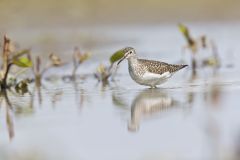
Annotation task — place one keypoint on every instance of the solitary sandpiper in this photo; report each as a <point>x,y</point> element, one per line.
<point>148,72</point>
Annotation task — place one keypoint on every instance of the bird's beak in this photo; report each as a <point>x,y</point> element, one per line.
<point>121,60</point>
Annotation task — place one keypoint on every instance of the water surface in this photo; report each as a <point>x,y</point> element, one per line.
<point>189,117</point>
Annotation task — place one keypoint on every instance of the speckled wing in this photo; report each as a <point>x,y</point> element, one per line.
<point>160,67</point>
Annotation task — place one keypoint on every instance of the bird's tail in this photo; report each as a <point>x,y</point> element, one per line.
<point>182,66</point>
<point>175,68</point>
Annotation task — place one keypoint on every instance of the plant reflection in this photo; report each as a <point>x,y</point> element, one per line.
<point>148,103</point>
<point>15,106</point>
<point>9,110</point>
<point>79,92</point>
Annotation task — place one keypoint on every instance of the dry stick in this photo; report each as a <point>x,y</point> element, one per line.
<point>194,66</point>
<point>7,99</point>
<point>75,67</point>
<point>10,124</point>
<point>6,51</point>
<point>39,93</point>
<point>37,73</point>
<point>4,83</point>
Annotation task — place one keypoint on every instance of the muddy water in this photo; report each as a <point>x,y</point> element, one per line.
<point>189,117</point>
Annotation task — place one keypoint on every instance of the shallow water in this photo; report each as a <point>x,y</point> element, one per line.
<point>189,117</point>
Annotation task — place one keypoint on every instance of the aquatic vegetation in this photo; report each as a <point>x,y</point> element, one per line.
<point>10,58</point>
<point>55,60</point>
<point>105,72</point>
<point>21,59</point>
<point>39,70</point>
<point>193,44</point>
<point>196,45</point>
<point>78,59</point>
<point>15,105</point>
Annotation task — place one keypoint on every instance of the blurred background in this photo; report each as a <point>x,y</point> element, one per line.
<point>52,25</point>
<point>75,13</point>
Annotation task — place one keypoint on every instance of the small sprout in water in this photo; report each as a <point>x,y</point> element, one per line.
<point>103,73</point>
<point>101,69</point>
<point>38,70</point>
<point>79,58</point>
<point>82,57</point>
<point>56,61</point>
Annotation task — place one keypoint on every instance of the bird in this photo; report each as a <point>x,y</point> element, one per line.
<point>148,72</point>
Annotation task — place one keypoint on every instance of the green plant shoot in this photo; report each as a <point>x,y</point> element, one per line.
<point>116,56</point>
<point>184,30</point>
<point>22,62</point>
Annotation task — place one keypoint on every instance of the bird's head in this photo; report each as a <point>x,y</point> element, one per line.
<point>129,52</point>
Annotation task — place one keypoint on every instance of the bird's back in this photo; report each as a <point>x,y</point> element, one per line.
<point>158,67</point>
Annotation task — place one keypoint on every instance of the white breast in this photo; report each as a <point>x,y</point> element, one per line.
<point>153,79</point>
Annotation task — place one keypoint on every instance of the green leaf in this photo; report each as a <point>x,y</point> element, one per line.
<point>184,30</point>
<point>22,62</point>
<point>117,56</point>
<point>21,53</point>
<point>84,57</point>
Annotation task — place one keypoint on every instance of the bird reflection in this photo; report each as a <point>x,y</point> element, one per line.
<point>146,104</point>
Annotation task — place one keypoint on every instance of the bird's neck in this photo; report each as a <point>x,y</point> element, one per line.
<point>132,60</point>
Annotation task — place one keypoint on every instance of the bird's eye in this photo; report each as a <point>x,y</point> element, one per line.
<point>130,52</point>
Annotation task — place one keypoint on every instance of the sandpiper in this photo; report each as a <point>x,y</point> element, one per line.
<point>148,72</point>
